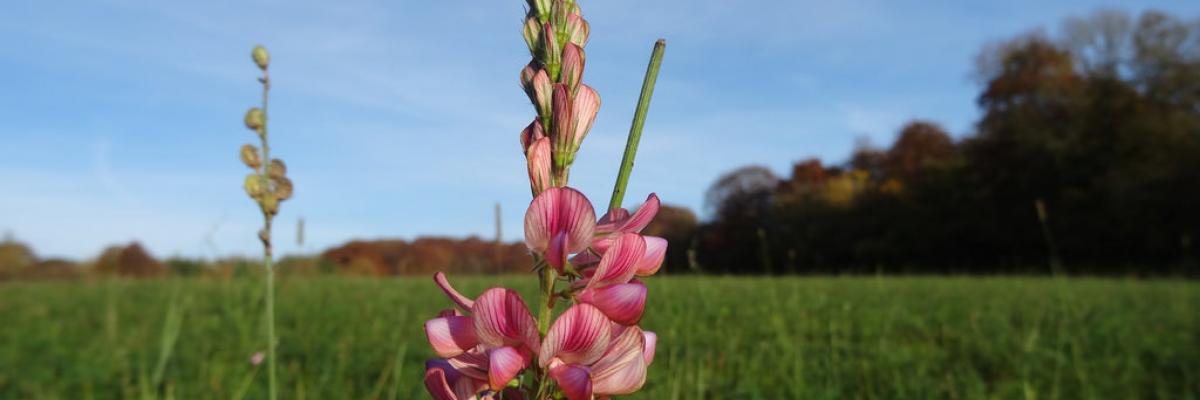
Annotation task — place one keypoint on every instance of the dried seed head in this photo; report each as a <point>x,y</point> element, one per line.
<point>254,186</point>
<point>255,119</point>
<point>277,169</point>
<point>283,188</point>
<point>250,156</point>
<point>261,57</point>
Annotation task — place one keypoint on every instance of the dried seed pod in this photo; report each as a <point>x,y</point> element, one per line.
<point>283,188</point>
<point>255,119</point>
<point>277,169</point>
<point>254,186</point>
<point>269,204</point>
<point>250,156</point>
<point>261,57</point>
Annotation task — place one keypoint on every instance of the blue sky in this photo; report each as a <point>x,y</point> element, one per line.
<point>121,120</point>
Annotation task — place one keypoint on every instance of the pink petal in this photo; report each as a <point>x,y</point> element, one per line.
<point>574,381</point>
<point>611,220</point>
<point>435,383</point>
<point>472,364</point>
<point>652,260</point>
<point>454,296</point>
<point>538,158</point>
<point>559,210</point>
<point>556,255</point>
<point>504,364</point>
<point>643,216</point>
<point>584,259</point>
<point>467,389</point>
<point>579,336</point>
<point>619,263</point>
<point>502,319</point>
<point>622,369</point>
<point>451,336</point>
<point>651,344</point>
<point>584,109</point>
<point>622,303</point>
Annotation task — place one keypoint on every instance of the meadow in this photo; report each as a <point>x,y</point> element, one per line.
<point>720,337</point>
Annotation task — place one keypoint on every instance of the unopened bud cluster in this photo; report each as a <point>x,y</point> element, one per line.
<point>556,33</point>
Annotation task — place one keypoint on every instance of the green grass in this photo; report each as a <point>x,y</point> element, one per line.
<point>720,338</point>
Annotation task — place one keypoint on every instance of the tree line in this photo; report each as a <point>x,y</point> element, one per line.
<point>1086,160</point>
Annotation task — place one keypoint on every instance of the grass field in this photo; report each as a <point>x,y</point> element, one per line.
<point>720,338</point>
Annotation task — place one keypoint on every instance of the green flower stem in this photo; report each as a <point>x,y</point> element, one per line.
<point>268,258</point>
<point>639,120</point>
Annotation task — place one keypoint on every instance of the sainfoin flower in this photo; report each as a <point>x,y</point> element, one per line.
<point>498,336</point>
<point>491,346</point>
<point>588,355</point>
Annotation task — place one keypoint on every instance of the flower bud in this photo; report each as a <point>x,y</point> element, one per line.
<point>250,156</point>
<point>277,169</point>
<point>255,119</point>
<point>551,50</point>
<point>254,186</point>
<point>584,108</point>
<point>572,66</point>
<point>577,30</point>
<point>531,133</point>
<point>533,34</point>
<point>283,188</point>
<point>541,92</point>
<point>261,57</point>
<point>538,158</point>
<point>561,130</point>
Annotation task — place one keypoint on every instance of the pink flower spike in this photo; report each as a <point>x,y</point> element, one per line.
<point>451,336</point>
<point>504,364</point>
<point>651,344</point>
<point>619,263</point>
<point>584,109</point>
<point>559,211</point>
<point>622,303</point>
<point>574,381</point>
<point>622,370</point>
<point>579,336</point>
<point>539,164</point>
<point>652,260</point>
<point>502,319</point>
<point>462,301</point>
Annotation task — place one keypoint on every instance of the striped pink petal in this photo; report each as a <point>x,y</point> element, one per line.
<point>579,336</point>
<point>538,158</point>
<point>575,381</point>
<point>619,263</point>
<point>438,387</point>
<point>472,364</point>
<point>504,364</point>
<point>462,301</point>
<point>541,92</point>
<point>451,336</point>
<point>577,30</point>
<point>583,109</point>
<point>643,216</point>
<point>651,344</point>
<point>622,369</point>
<point>622,303</point>
<point>502,319</point>
<point>559,211</point>
<point>611,220</point>
<point>652,260</point>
